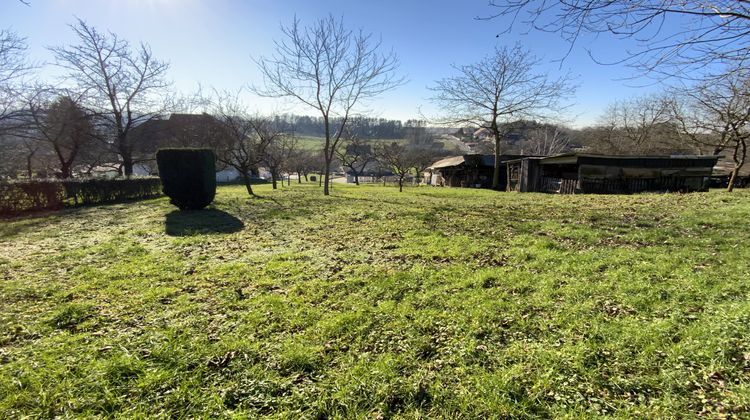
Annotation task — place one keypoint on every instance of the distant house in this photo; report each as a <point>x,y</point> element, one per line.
<point>473,171</point>
<point>598,174</point>
<point>482,134</point>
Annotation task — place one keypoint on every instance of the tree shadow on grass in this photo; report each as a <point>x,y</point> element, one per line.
<point>200,222</point>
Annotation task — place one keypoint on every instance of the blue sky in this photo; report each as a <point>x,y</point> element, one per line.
<point>212,42</point>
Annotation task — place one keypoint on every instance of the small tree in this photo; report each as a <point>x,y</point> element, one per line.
<point>277,155</point>
<point>239,139</point>
<point>355,155</point>
<point>502,87</point>
<point>64,126</point>
<point>398,159</point>
<point>300,162</point>
<point>330,69</point>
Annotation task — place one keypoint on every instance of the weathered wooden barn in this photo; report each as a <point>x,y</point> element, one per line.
<point>597,174</point>
<point>723,172</point>
<point>472,171</point>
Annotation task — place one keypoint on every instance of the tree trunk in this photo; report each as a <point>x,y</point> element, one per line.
<point>29,170</point>
<point>306,178</point>
<point>66,170</point>
<point>356,178</point>
<point>740,151</point>
<point>320,179</point>
<point>127,166</point>
<point>327,180</point>
<point>248,184</point>
<point>496,170</point>
<point>327,154</point>
<point>401,185</point>
<point>732,177</point>
<point>273,179</point>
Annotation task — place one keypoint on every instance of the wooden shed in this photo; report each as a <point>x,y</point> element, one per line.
<point>723,171</point>
<point>473,171</point>
<point>599,174</point>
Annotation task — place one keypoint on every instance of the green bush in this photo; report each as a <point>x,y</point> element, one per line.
<point>102,190</point>
<point>188,176</point>
<point>18,197</point>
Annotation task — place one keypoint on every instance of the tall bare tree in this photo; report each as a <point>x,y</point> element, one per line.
<point>13,66</point>
<point>675,38</point>
<point>502,87</point>
<point>126,86</point>
<point>330,69</point>
<point>716,115</point>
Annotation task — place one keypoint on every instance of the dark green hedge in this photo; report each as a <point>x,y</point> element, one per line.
<point>18,197</point>
<point>188,176</point>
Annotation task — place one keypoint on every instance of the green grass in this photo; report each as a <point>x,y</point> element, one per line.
<point>450,303</point>
<point>317,143</point>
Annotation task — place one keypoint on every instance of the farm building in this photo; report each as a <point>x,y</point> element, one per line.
<point>723,172</point>
<point>597,174</point>
<point>474,171</point>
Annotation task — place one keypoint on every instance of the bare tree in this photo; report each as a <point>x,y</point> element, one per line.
<point>355,155</point>
<point>330,69</point>
<point>398,159</point>
<point>675,38</point>
<point>278,153</point>
<point>13,66</point>
<point>716,115</point>
<point>62,125</point>
<point>301,162</point>
<point>497,89</point>
<point>638,125</point>
<point>126,86</point>
<point>547,140</point>
<point>239,139</point>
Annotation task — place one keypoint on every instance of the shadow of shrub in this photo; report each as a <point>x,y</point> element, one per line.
<point>199,222</point>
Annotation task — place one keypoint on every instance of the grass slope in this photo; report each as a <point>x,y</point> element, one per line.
<point>316,144</point>
<point>447,303</point>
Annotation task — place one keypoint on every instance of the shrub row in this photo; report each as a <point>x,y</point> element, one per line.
<point>17,197</point>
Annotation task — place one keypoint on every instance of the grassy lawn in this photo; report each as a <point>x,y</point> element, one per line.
<point>449,303</point>
<point>316,143</point>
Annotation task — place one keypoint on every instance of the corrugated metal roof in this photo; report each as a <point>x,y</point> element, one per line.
<point>573,158</point>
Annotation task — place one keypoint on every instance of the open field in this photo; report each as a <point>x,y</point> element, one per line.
<point>317,143</point>
<point>431,303</point>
